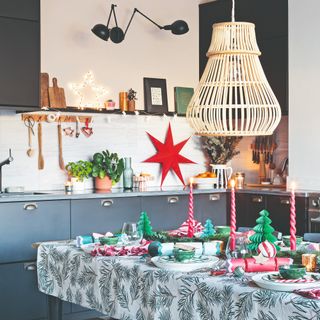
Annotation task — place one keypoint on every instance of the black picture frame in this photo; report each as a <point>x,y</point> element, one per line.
<point>155,95</point>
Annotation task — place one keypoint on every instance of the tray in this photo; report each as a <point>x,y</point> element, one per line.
<point>168,263</point>
<point>267,281</point>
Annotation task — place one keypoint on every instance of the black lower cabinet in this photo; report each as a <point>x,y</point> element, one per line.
<point>20,298</point>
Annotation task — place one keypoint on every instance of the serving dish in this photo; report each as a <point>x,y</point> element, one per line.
<point>205,183</point>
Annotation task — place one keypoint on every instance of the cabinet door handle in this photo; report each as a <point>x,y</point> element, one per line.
<point>257,199</point>
<point>30,206</point>
<point>30,266</point>
<point>214,197</point>
<point>285,201</point>
<point>173,199</point>
<point>315,220</point>
<point>107,203</point>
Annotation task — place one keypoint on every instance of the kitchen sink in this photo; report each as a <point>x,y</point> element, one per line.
<point>22,194</point>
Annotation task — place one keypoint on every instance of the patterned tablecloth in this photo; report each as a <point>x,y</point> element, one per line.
<point>128,288</point>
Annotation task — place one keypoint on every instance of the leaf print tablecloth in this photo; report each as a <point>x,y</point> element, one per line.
<point>128,288</point>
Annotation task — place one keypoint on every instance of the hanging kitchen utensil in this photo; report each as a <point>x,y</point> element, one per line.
<point>68,132</point>
<point>44,99</point>
<point>40,155</point>
<point>61,162</point>
<point>87,131</point>
<point>29,123</point>
<point>77,127</point>
<point>55,96</point>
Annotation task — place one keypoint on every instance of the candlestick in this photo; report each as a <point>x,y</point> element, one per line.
<point>293,229</point>
<point>191,214</point>
<point>233,216</point>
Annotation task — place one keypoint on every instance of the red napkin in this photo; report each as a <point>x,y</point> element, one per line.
<point>121,251</point>
<point>309,293</point>
<point>182,231</point>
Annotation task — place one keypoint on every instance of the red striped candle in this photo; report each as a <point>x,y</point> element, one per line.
<point>293,230</point>
<point>191,214</point>
<point>233,219</point>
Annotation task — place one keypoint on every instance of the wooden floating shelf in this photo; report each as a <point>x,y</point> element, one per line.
<point>104,111</point>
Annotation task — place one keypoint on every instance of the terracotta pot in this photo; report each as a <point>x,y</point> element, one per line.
<point>131,105</point>
<point>103,184</point>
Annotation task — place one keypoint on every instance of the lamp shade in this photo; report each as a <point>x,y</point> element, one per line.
<point>116,35</point>
<point>233,97</point>
<point>101,31</point>
<point>178,27</point>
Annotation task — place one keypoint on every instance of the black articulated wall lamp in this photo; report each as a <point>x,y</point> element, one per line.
<point>117,35</point>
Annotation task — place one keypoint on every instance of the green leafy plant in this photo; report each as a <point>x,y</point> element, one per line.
<point>80,169</point>
<point>132,94</point>
<point>220,150</point>
<point>107,164</point>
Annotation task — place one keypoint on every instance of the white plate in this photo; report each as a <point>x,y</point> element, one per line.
<point>170,264</point>
<point>289,287</point>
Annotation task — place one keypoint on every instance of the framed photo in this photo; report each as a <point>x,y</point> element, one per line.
<point>155,95</point>
<point>182,97</point>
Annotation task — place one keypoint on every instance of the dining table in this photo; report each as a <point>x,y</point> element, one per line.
<point>130,287</point>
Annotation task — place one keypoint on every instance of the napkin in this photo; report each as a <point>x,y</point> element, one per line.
<point>309,293</point>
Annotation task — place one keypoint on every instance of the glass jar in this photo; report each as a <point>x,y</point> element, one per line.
<point>127,174</point>
<point>240,248</point>
<point>239,177</point>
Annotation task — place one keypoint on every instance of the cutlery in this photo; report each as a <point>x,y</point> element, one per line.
<point>40,155</point>
<point>61,162</point>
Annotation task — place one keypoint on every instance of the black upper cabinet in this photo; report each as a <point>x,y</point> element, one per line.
<point>20,9</point>
<point>19,54</point>
<point>271,20</point>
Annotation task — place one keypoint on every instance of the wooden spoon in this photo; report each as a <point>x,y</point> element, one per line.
<point>30,151</point>
<point>40,155</point>
<point>61,162</point>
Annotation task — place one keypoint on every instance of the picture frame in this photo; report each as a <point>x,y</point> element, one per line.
<point>155,95</point>
<point>182,97</point>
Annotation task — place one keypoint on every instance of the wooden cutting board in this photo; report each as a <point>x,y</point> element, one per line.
<point>56,96</point>
<point>44,99</point>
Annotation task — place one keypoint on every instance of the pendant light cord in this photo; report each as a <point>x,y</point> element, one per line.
<point>233,11</point>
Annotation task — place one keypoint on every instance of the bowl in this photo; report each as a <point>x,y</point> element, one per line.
<point>293,271</point>
<point>205,183</point>
<point>222,229</point>
<point>286,240</point>
<point>109,240</point>
<point>183,255</point>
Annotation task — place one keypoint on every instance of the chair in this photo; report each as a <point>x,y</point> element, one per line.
<point>312,237</point>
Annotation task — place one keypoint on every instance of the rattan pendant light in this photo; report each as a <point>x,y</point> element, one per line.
<point>233,97</point>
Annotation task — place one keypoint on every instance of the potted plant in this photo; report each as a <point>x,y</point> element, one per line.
<point>131,100</point>
<point>78,171</point>
<point>220,150</point>
<point>107,169</point>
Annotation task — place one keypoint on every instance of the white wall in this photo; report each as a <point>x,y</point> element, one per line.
<point>69,50</point>
<point>304,70</point>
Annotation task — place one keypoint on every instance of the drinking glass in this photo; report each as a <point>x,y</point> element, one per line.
<point>132,234</point>
<point>240,249</point>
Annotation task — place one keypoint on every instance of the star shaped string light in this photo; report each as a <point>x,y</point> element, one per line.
<point>168,155</point>
<point>88,84</point>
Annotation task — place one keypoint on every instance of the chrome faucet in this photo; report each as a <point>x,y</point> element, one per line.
<point>2,163</point>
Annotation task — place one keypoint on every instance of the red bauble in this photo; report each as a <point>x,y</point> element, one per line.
<point>168,155</point>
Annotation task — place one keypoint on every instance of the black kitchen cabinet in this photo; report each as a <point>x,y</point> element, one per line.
<point>20,55</point>
<point>271,20</point>
<point>23,223</point>
<point>20,298</point>
<point>20,9</point>
<point>211,206</point>
<point>279,209</point>
<point>248,208</point>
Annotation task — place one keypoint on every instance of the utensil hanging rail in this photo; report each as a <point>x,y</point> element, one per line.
<point>37,117</point>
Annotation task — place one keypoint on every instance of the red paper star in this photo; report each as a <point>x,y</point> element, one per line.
<point>168,155</point>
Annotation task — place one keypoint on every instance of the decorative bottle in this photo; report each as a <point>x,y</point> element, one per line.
<point>127,174</point>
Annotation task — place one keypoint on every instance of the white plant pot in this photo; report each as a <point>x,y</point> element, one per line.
<point>77,185</point>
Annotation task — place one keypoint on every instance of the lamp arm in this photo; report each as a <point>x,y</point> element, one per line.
<point>110,13</point>
<point>134,12</point>
<point>114,13</point>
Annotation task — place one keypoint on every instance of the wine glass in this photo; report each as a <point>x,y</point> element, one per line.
<point>240,249</point>
<point>131,232</point>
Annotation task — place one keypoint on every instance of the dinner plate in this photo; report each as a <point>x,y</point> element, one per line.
<point>267,281</point>
<point>168,263</point>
